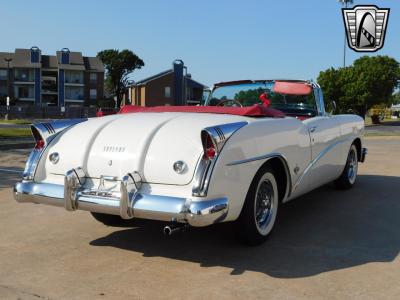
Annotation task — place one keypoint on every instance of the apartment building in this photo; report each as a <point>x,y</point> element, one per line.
<point>65,79</point>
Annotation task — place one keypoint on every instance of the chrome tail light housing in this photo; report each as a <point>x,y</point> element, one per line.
<point>213,140</point>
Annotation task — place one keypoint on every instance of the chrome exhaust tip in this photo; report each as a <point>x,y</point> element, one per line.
<point>173,228</point>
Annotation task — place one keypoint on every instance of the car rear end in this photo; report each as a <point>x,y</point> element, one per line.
<point>145,165</point>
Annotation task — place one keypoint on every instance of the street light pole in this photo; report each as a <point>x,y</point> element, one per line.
<point>345,3</point>
<point>8,60</point>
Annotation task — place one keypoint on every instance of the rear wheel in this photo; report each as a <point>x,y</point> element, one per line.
<point>106,219</point>
<point>349,175</point>
<point>260,209</point>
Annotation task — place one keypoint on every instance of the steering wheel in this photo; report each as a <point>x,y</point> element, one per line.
<point>229,100</point>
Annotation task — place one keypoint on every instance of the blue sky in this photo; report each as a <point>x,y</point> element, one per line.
<point>217,40</point>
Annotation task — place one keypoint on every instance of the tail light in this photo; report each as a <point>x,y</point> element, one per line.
<point>210,150</point>
<point>40,143</point>
<point>35,155</point>
<point>213,140</point>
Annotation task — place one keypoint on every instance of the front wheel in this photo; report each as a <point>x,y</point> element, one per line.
<point>260,209</point>
<point>349,175</point>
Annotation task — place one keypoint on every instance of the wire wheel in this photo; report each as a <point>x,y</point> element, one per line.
<point>265,206</point>
<point>352,166</point>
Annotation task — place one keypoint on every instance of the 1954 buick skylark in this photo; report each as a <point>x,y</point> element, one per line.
<point>253,146</point>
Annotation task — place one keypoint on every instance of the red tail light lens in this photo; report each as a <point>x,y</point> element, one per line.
<point>39,144</point>
<point>209,147</point>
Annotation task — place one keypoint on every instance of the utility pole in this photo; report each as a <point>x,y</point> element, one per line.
<point>8,60</point>
<point>345,4</point>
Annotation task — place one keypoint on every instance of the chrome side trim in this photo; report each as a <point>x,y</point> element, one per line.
<point>247,160</point>
<point>220,135</point>
<point>269,156</point>
<point>317,158</point>
<point>31,164</point>
<point>49,130</point>
<point>202,177</point>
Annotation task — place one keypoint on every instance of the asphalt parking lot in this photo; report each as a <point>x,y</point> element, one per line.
<point>328,244</point>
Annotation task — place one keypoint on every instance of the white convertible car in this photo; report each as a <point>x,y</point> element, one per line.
<point>253,146</point>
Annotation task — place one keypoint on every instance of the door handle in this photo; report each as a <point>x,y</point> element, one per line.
<point>313,129</point>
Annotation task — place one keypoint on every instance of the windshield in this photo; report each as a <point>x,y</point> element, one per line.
<point>292,98</point>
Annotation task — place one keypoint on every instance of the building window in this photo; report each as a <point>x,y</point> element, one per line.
<point>93,77</point>
<point>24,75</point>
<point>75,77</point>
<point>93,94</point>
<point>3,74</point>
<point>3,90</point>
<point>24,91</point>
<point>167,92</point>
<point>74,93</point>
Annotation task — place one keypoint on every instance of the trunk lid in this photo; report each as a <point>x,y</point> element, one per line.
<point>148,143</point>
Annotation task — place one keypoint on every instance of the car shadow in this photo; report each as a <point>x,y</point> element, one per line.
<point>322,231</point>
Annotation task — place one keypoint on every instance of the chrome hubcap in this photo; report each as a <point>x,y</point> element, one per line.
<point>264,204</point>
<point>353,167</point>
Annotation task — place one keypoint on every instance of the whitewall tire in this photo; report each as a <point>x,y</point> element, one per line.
<point>260,209</point>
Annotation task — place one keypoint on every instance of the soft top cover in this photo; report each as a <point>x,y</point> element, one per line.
<point>248,111</point>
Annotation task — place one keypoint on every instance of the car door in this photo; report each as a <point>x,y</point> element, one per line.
<point>324,131</point>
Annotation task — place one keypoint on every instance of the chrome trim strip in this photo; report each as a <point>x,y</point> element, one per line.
<point>220,135</point>
<point>251,159</point>
<point>155,207</point>
<point>269,156</point>
<point>317,158</point>
<point>48,132</point>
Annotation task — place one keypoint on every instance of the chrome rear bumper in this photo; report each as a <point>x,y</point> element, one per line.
<point>124,203</point>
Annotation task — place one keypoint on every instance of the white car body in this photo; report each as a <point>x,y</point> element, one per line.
<point>123,164</point>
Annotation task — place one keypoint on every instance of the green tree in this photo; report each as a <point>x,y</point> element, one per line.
<point>396,98</point>
<point>119,65</point>
<point>370,81</point>
<point>249,97</point>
